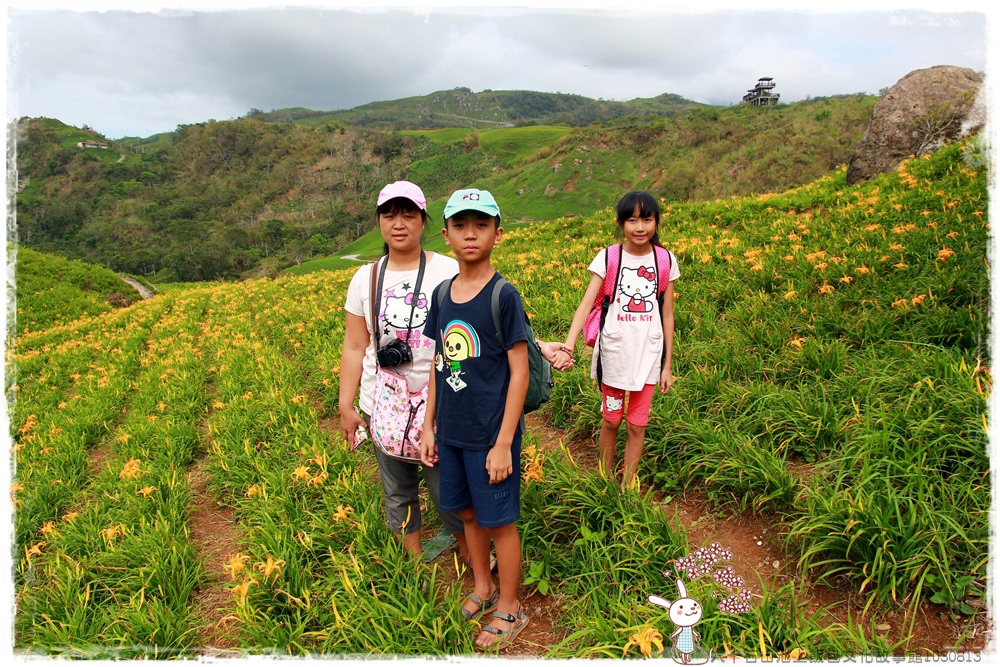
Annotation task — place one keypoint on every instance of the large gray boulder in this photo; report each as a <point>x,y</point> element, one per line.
<point>925,108</point>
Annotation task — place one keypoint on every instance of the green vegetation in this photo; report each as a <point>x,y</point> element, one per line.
<point>249,198</point>
<point>51,290</point>
<point>460,107</point>
<point>832,372</point>
<point>834,369</point>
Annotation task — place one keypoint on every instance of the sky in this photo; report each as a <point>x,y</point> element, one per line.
<point>138,68</point>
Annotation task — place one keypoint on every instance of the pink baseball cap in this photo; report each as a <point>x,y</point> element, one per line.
<point>403,189</point>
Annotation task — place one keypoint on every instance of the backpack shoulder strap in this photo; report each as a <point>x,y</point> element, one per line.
<point>614,258</point>
<point>495,309</point>
<point>661,256</point>
<point>443,289</point>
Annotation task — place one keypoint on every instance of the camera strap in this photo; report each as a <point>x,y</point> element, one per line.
<point>376,296</point>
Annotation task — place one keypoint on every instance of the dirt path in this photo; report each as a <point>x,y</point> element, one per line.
<point>501,123</point>
<point>143,291</point>
<point>215,536</point>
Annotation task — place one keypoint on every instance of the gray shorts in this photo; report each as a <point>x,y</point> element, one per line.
<point>401,484</point>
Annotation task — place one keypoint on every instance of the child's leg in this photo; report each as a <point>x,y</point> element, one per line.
<point>612,410</point>
<point>507,542</point>
<point>478,540</point>
<point>606,444</point>
<point>455,497</point>
<point>451,521</point>
<point>639,403</point>
<point>633,451</point>
<point>497,508</point>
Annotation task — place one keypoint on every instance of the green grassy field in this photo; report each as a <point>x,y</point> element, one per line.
<point>50,290</point>
<point>832,374</point>
<point>369,247</point>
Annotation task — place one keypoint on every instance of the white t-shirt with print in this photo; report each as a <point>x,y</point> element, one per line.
<point>395,306</point>
<point>631,344</point>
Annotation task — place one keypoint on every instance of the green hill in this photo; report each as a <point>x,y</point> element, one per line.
<point>460,107</point>
<point>50,290</point>
<point>244,198</point>
<point>705,155</point>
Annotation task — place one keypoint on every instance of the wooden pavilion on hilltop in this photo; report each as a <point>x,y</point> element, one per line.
<point>761,95</point>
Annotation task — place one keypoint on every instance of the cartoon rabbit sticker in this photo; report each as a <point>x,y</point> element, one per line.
<point>685,612</point>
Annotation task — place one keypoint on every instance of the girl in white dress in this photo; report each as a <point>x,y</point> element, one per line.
<point>634,347</point>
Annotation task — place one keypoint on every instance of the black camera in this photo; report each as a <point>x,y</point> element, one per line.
<point>394,353</point>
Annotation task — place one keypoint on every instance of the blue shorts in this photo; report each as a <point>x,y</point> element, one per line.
<point>465,483</point>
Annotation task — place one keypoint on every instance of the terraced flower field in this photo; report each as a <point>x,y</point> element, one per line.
<point>832,369</point>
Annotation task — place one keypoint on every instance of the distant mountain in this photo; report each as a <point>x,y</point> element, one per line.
<point>460,107</point>
<point>251,197</point>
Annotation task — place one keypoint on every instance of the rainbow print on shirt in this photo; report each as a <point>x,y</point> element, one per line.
<point>459,342</point>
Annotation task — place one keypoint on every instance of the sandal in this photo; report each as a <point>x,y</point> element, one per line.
<point>485,606</point>
<point>505,638</point>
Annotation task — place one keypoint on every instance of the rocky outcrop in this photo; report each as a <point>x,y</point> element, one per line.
<point>925,108</point>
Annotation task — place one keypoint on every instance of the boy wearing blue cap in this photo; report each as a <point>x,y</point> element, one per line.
<point>476,396</point>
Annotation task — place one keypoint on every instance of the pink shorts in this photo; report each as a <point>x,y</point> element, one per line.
<point>639,402</point>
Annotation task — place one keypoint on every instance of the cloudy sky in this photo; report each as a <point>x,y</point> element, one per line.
<point>138,68</point>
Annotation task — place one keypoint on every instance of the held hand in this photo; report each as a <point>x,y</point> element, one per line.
<point>562,360</point>
<point>557,354</point>
<point>350,420</point>
<point>499,464</point>
<point>666,381</point>
<point>428,449</point>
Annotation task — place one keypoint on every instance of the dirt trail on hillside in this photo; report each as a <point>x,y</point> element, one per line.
<point>143,291</point>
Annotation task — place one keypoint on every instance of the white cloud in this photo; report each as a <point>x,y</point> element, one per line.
<point>132,72</point>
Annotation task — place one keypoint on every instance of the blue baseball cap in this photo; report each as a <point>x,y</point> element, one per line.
<point>471,199</point>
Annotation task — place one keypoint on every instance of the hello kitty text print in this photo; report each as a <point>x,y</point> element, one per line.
<point>638,290</point>
<point>406,315</point>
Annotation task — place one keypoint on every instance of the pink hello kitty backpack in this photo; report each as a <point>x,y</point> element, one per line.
<point>609,288</point>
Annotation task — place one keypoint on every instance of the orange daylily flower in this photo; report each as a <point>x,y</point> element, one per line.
<point>270,567</point>
<point>342,513</point>
<point>645,640</point>
<point>237,563</point>
<point>131,468</point>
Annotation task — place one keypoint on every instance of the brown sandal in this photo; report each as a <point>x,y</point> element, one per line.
<point>485,606</point>
<point>505,638</point>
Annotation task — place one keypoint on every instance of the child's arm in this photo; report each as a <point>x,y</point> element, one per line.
<point>499,463</point>
<point>356,340</point>
<point>667,315</point>
<point>428,445</point>
<point>580,317</point>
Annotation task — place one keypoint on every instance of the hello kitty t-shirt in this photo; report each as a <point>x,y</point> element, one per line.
<point>631,344</point>
<point>396,304</point>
